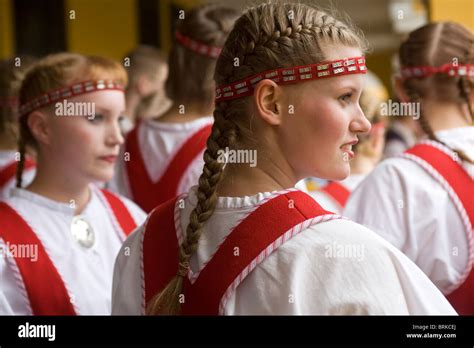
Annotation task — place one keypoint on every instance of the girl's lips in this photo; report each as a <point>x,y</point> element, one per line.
<point>110,159</point>
<point>347,148</point>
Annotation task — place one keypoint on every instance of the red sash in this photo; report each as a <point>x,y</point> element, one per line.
<point>122,214</point>
<point>260,232</point>
<point>338,192</point>
<point>8,172</point>
<point>456,177</point>
<point>148,194</point>
<point>46,290</point>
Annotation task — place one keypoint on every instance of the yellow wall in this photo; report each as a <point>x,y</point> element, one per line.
<point>461,11</point>
<point>106,27</point>
<point>6,29</point>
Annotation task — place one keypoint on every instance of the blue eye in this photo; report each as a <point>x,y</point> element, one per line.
<point>346,97</point>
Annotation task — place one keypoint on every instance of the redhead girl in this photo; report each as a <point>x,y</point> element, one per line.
<point>60,234</point>
<point>244,241</point>
<point>424,198</point>
<point>162,156</point>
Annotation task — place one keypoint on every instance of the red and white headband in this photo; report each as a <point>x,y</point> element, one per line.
<point>198,47</point>
<point>8,102</point>
<point>74,90</point>
<point>448,69</point>
<point>284,76</point>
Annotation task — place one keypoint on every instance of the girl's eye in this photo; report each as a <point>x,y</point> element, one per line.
<point>346,97</point>
<point>97,118</point>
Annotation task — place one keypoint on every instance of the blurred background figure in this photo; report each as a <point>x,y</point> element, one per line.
<point>76,228</point>
<point>403,131</point>
<point>12,72</point>
<point>163,155</point>
<point>422,201</point>
<point>147,70</point>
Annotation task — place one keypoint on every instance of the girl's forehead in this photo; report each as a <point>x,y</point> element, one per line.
<point>333,52</point>
<point>109,98</point>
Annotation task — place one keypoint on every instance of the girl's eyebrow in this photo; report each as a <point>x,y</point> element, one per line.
<point>106,111</point>
<point>352,88</point>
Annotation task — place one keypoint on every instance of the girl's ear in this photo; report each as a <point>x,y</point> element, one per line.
<point>39,127</point>
<point>268,101</point>
<point>400,91</point>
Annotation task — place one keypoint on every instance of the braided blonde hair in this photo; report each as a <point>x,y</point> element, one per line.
<point>269,36</point>
<point>436,44</point>
<point>11,76</point>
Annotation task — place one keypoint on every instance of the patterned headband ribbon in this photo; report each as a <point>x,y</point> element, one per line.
<point>448,69</point>
<point>198,47</point>
<point>8,102</point>
<point>284,76</point>
<point>73,90</point>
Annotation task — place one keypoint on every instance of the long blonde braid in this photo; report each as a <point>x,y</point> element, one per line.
<point>263,38</point>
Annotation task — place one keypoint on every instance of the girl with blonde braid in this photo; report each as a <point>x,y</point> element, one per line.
<point>424,198</point>
<point>245,241</point>
<point>67,229</point>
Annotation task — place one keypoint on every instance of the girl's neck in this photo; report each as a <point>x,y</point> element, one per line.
<point>50,183</point>
<point>178,114</point>
<point>444,116</point>
<point>242,180</point>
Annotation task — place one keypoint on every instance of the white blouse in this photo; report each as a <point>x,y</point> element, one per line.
<point>402,203</point>
<point>306,275</point>
<point>158,143</point>
<point>86,273</point>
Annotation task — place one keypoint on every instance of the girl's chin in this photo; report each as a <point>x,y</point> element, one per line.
<point>102,176</point>
<point>341,173</point>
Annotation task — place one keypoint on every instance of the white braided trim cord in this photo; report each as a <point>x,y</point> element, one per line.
<point>18,278</point>
<point>269,250</point>
<point>457,203</point>
<point>194,276</point>
<point>142,268</point>
<point>118,229</point>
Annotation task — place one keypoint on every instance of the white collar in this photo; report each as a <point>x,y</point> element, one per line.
<point>238,202</point>
<point>48,203</point>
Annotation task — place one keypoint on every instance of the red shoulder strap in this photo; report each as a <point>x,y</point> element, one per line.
<point>338,192</point>
<point>148,194</point>
<point>451,171</point>
<point>271,220</point>
<point>8,172</point>
<point>46,290</point>
<point>121,212</point>
<point>160,249</point>
<point>461,183</point>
